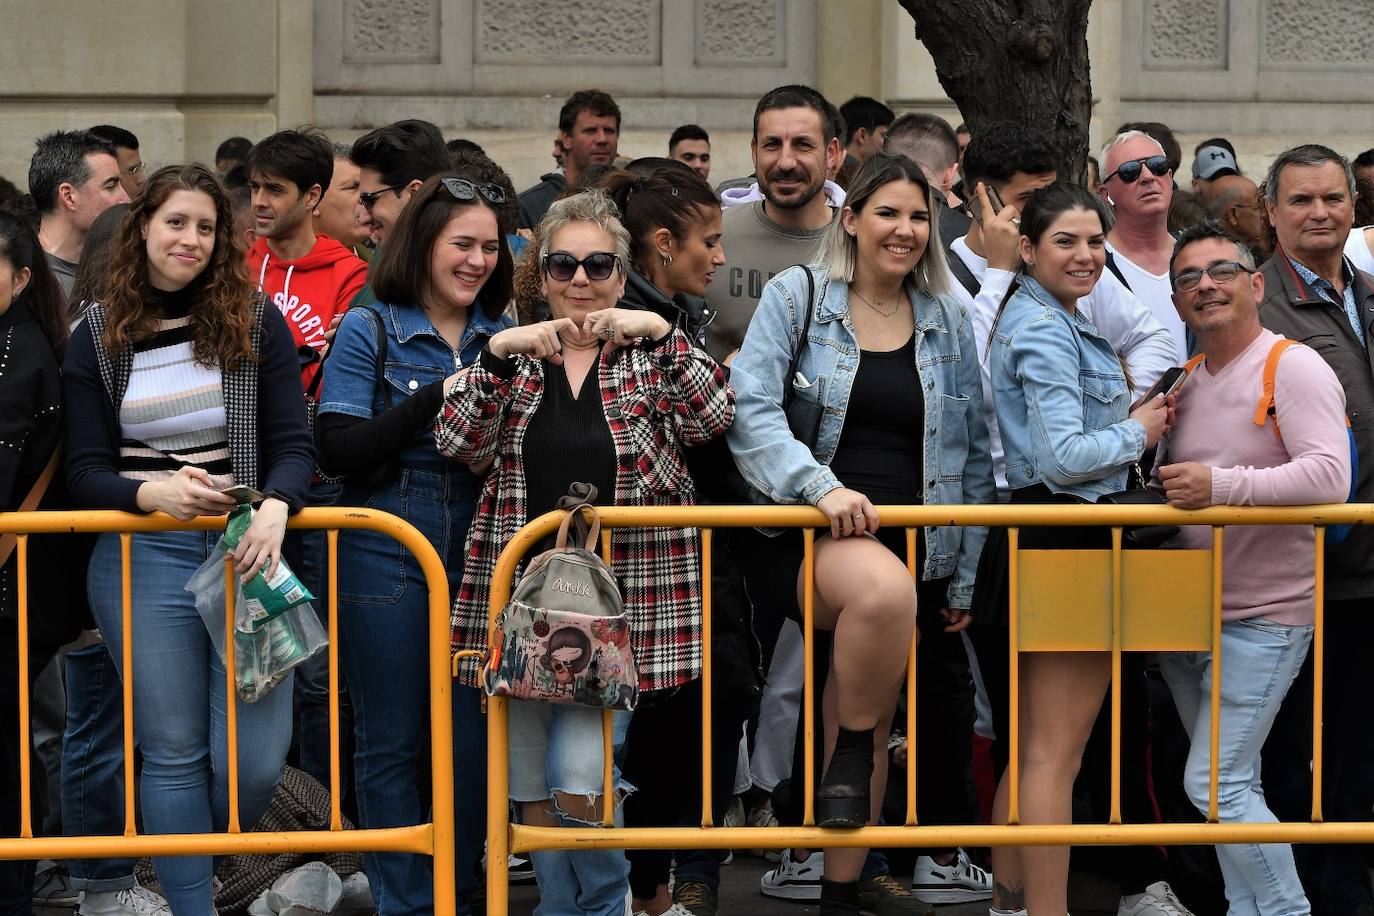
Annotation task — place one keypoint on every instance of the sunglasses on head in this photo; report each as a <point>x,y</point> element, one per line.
<point>368,198</point>
<point>465,190</point>
<point>1130,172</point>
<point>599,265</point>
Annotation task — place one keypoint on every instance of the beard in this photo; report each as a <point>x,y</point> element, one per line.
<point>802,198</point>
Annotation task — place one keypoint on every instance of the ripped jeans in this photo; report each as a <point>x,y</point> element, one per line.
<point>555,752</point>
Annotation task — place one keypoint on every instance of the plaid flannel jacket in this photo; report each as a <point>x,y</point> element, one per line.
<point>657,399</point>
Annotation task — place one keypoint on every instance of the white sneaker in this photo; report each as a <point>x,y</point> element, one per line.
<point>131,901</point>
<point>793,880</point>
<point>958,882</point>
<point>762,816</point>
<point>1158,900</point>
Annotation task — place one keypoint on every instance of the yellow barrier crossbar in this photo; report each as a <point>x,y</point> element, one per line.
<point>434,839</point>
<point>1114,602</point>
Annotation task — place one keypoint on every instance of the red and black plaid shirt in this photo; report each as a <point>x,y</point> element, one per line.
<point>657,399</point>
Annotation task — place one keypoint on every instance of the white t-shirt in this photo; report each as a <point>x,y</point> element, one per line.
<point>1121,319</point>
<point>1155,291</point>
<point>1357,249</point>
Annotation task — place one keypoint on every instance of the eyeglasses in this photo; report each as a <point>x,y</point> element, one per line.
<point>465,190</point>
<point>368,198</point>
<point>1220,272</point>
<point>1130,172</point>
<point>599,265</point>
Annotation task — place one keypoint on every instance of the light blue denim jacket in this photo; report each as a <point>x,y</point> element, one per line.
<point>1061,398</point>
<point>958,466</point>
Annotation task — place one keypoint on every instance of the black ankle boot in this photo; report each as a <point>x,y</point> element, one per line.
<point>842,799</point>
<point>839,898</point>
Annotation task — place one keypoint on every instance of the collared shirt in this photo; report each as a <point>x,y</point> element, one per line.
<point>1327,290</point>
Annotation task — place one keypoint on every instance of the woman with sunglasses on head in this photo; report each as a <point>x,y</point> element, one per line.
<point>179,383</point>
<point>889,370</point>
<point>442,283</point>
<point>604,396</point>
<point>1069,434</point>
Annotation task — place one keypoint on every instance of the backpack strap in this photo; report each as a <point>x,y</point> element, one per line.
<point>1266,409</point>
<point>1193,363</point>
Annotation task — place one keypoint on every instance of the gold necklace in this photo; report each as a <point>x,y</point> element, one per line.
<point>875,308</point>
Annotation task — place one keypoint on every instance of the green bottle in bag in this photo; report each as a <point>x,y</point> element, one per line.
<point>263,598</point>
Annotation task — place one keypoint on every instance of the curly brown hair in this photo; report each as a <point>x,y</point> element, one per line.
<point>221,297</point>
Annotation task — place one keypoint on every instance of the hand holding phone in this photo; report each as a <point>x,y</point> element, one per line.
<point>1168,383</point>
<point>241,494</point>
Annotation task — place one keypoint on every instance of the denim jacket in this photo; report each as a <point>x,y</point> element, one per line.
<point>958,466</point>
<point>1061,398</point>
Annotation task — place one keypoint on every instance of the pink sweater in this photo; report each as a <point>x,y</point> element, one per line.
<point>1268,571</point>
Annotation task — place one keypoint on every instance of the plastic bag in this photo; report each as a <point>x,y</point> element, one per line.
<point>263,598</point>
<point>266,646</point>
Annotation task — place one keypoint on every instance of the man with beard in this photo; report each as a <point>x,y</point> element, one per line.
<point>796,144</point>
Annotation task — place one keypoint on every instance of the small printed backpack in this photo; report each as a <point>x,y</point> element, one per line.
<point>564,636</point>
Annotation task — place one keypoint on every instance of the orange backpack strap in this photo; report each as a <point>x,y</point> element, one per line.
<point>1265,408</point>
<point>1193,363</point>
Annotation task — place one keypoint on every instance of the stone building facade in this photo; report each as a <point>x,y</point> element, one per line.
<point>185,74</point>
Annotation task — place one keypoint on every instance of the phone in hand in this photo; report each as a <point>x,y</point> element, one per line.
<point>1168,383</point>
<point>975,205</point>
<point>241,494</point>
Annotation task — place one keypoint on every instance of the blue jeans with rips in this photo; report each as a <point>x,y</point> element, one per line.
<point>1259,660</point>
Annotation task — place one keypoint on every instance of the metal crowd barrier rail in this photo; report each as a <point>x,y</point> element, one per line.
<point>435,839</point>
<point>1121,600</point>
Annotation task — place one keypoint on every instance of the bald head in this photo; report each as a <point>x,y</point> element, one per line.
<point>1227,191</point>
<point>1234,201</point>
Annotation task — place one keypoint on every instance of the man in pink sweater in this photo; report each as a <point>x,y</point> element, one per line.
<point>1215,454</point>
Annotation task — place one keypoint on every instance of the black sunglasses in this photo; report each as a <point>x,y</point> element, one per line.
<point>1130,172</point>
<point>1220,272</point>
<point>465,190</point>
<point>368,198</point>
<point>562,266</point>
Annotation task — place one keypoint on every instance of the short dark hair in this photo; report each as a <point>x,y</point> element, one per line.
<point>1162,134</point>
<point>235,148</point>
<point>863,111</point>
<point>1186,210</point>
<point>60,158</point>
<point>926,138</point>
<point>1363,160</point>
<point>463,145</point>
<point>1209,229</point>
<point>303,157</point>
<point>1215,141</point>
<point>797,96</point>
<point>963,129</point>
<point>400,271</point>
<point>687,132</point>
<point>402,152</point>
<point>1306,154</point>
<point>594,100</point>
<point>8,190</point>
<point>121,138</point>
<point>999,151</point>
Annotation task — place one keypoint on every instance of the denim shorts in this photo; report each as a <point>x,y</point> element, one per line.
<point>556,747</point>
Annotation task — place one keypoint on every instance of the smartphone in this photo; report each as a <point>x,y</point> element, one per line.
<point>975,206</point>
<point>1168,383</point>
<point>242,494</point>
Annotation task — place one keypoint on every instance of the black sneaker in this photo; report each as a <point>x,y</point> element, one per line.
<point>884,895</point>
<point>695,897</point>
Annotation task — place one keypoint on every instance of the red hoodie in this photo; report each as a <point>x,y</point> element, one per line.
<point>309,291</point>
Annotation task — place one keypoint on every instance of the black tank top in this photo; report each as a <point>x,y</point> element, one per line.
<point>880,448</point>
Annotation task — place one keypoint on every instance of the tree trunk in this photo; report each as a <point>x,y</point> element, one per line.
<point>1014,60</point>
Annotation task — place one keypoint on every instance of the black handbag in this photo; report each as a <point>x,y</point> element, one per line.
<point>1140,537</point>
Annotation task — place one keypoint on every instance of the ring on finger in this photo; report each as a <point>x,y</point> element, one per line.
<point>608,333</point>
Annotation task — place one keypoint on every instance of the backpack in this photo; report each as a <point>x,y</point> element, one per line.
<point>1266,410</point>
<point>564,636</point>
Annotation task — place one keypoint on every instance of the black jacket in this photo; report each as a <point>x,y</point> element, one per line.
<point>534,202</point>
<point>1293,309</point>
<point>682,311</point>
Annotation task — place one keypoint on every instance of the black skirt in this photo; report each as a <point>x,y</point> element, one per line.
<point>991,595</point>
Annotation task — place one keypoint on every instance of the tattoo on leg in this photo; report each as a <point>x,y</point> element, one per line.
<point>1009,898</point>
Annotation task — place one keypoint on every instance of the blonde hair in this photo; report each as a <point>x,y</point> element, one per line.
<point>589,206</point>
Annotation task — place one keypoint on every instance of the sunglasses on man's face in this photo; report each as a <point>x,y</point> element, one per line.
<point>369,198</point>
<point>465,190</point>
<point>599,265</point>
<point>1130,172</point>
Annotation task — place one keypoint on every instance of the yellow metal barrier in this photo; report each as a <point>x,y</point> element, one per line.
<point>1118,601</point>
<point>435,839</point>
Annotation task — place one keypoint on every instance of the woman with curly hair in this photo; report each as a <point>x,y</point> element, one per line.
<point>179,383</point>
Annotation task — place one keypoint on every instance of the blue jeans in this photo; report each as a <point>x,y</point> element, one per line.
<point>1259,662</point>
<point>93,765</point>
<point>384,643</point>
<point>557,748</point>
<point>312,676</point>
<point>180,707</point>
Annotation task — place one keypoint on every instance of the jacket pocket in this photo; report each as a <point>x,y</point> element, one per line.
<point>1104,399</point>
<point>953,443</point>
<point>404,379</point>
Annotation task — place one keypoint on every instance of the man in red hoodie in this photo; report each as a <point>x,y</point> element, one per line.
<point>310,278</point>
